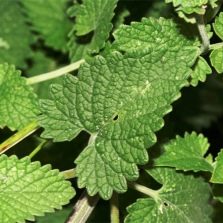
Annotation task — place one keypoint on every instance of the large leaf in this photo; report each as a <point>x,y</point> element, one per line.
<point>120,100</point>
<point>19,104</point>
<point>29,190</point>
<point>182,199</point>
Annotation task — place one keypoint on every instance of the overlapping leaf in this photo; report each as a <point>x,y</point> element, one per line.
<point>14,42</point>
<point>50,20</point>
<point>29,190</point>
<point>186,153</point>
<point>19,104</point>
<point>93,18</point>
<point>120,100</point>
<point>182,199</point>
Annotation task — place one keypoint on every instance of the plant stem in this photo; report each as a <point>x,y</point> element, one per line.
<point>216,46</point>
<point>114,203</point>
<point>19,136</point>
<point>69,174</point>
<point>145,190</point>
<point>54,74</point>
<point>203,34</point>
<point>37,149</point>
<point>83,208</point>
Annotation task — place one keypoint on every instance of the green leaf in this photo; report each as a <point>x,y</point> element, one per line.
<point>49,19</point>
<point>186,153</point>
<point>14,42</point>
<point>217,176</point>
<point>99,24</point>
<point>120,100</point>
<point>216,58</point>
<point>201,70</point>
<point>182,199</point>
<point>218,25</point>
<point>19,104</point>
<point>29,190</point>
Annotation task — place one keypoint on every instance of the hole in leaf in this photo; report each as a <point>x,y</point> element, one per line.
<point>165,204</point>
<point>115,118</point>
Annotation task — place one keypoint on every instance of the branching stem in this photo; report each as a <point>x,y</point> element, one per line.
<point>69,174</point>
<point>216,46</point>
<point>114,204</point>
<point>55,73</point>
<point>37,149</point>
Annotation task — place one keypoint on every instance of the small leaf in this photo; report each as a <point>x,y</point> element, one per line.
<point>29,190</point>
<point>19,104</point>
<point>217,176</point>
<point>201,70</point>
<point>186,153</point>
<point>218,25</point>
<point>182,199</point>
<point>216,58</point>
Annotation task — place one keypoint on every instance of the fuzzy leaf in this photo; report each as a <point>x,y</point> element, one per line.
<point>217,176</point>
<point>29,190</point>
<point>201,70</point>
<point>218,25</point>
<point>120,100</point>
<point>50,20</point>
<point>19,104</point>
<point>182,199</point>
<point>216,58</point>
<point>14,42</point>
<point>186,153</point>
<point>100,13</point>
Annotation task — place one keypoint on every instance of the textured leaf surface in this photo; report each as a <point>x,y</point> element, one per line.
<point>92,18</point>
<point>50,20</point>
<point>217,176</point>
<point>29,190</point>
<point>120,100</point>
<point>186,153</point>
<point>216,58</point>
<point>182,199</point>
<point>201,70</point>
<point>218,25</point>
<point>14,41</point>
<point>19,104</point>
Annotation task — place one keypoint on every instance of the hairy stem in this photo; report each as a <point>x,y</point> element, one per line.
<point>19,136</point>
<point>203,34</point>
<point>216,46</point>
<point>54,74</point>
<point>69,174</point>
<point>83,208</point>
<point>37,149</point>
<point>114,204</point>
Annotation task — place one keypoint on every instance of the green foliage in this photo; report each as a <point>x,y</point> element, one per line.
<point>216,58</point>
<point>218,169</point>
<point>181,199</point>
<point>29,190</point>
<point>218,25</point>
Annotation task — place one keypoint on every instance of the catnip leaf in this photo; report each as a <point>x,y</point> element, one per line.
<point>216,58</point>
<point>49,19</point>
<point>186,153</point>
<point>217,176</point>
<point>28,189</point>
<point>92,18</point>
<point>218,25</point>
<point>182,199</point>
<point>14,42</point>
<point>120,101</point>
<point>19,104</point>
<point>201,70</point>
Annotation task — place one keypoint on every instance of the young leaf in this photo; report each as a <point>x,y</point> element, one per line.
<point>29,190</point>
<point>14,42</point>
<point>201,70</point>
<point>217,176</point>
<point>182,199</point>
<point>216,58</point>
<point>50,20</point>
<point>19,104</point>
<point>186,153</point>
<point>91,16</point>
<point>218,25</point>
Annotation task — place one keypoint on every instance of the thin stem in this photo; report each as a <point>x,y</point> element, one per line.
<point>216,46</point>
<point>203,34</point>
<point>54,74</point>
<point>114,203</point>
<point>145,190</point>
<point>69,174</point>
<point>37,149</point>
<point>83,208</point>
<point>19,136</point>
